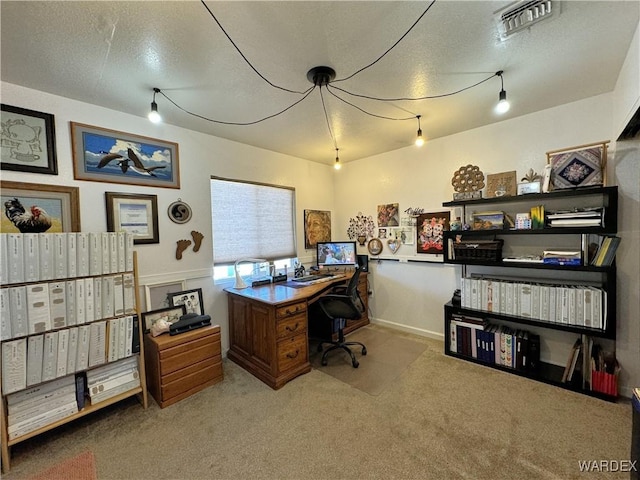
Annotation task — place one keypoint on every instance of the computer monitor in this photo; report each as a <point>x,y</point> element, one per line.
<point>336,253</point>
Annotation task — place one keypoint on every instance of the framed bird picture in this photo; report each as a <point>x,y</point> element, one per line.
<point>102,155</point>
<point>36,208</point>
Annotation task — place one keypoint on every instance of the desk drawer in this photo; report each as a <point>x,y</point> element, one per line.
<point>213,341</point>
<point>292,309</point>
<point>177,362</point>
<point>291,326</point>
<point>192,380</point>
<point>292,352</point>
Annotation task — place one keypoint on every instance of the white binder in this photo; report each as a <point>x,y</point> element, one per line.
<point>5,315</point>
<point>71,302</point>
<point>63,353</point>
<point>128,294</point>
<point>47,253</point>
<point>122,251</point>
<point>72,354</point>
<point>129,252</point>
<point>89,311</point>
<point>14,365</point>
<point>107,297</point>
<point>15,245</point>
<point>38,310</point>
<point>31,257</point>
<point>82,251</point>
<point>106,251</point>
<point>113,329</point>
<point>60,261</point>
<point>18,309</point>
<point>80,302</point>
<point>97,298</point>
<point>118,295</point>
<point>50,356</point>
<point>95,253</point>
<point>35,349</point>
<point>113,252</point>
<point>82,357</point>
<point>58,304</point>
<point>4,259</point>
<point>122,337</point>
<point>72,255</point>
<point>97,344</point>
<point>128,342</point>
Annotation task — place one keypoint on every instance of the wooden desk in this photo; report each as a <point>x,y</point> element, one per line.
<point>268,328</point>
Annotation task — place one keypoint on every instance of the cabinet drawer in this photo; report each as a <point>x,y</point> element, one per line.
<point>191,356</point>
<point>291,326</point>
<point>178,350</point>
<point>292,352</point>
<point>183,372</point>
<point>188,382</point>
<point>292,309</point>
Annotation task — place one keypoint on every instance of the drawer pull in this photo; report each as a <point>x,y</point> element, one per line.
<point>293,355</point>
<point>289,312</point>
<point>289,329</point>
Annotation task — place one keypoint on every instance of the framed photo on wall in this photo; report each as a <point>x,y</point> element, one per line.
<point>58,207</point>
<point>133,213</point>
<point>28,141</point>
<point>317,227</point>
<point>102,155</point>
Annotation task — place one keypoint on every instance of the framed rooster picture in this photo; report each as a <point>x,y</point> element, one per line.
<point>102,155</point>
<point>36,208</point>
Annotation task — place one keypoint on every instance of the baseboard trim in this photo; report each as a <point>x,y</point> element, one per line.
<point>404,328</point>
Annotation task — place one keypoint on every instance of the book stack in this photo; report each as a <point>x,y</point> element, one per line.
<point>583,217</point>
<point>562,257</point>
<point>606,252</point>
<point>494,344</point>
<point>39,406</point>
<point>112,379</point>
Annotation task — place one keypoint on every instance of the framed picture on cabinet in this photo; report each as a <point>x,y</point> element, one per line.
<point>102,155</point>
<point>580,166</point>
<point>168,314</point>
<point>35,208</point>
<point>28,141</point>
<point>157,294</point>
<point>191,299</point>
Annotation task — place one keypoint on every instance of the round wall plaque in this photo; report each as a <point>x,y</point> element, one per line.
<point>179,212</point>
<point>374,246</point>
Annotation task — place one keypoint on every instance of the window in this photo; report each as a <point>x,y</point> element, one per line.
<point>251,220</point>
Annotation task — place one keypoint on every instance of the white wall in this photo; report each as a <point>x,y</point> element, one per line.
<point>413,294</point>
<point>201,156</point>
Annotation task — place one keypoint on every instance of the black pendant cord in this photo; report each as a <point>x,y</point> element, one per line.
<point>427,97</point>
<point>390,48</point>
<point>243,56</point>
<point>326,116</point>
<point>306,94</point>
<point>330,87</point>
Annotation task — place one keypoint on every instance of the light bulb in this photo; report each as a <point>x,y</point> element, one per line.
<point>154,116</point>
<point>419,139</point>
<point>503,105</point>
<point>337,165</point>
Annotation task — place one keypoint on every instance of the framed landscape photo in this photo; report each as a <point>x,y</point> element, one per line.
<point>102,155</point>
<point>191,299</point>
<point>53,205</point>
<point>28,141</point>
<point>169,315</point>
<point>156,294</point>
<point>133,213</point>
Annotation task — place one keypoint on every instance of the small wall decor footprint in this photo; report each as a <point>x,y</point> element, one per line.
<point>182,245</point>
<point>197,240</point>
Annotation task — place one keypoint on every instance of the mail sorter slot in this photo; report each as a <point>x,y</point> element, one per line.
<point>292,326</point>
<point>191,381</point>
<point>185,359</point>
<point>188,346</point>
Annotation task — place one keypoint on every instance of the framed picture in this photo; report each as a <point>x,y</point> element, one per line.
<point>49,208</point>
<point>405,235</point>
<point>388,215</point>
<point>28,141</point>
<point>580,166</point>
<point>317,227</point>
<point>169,314</point>
<point>102,155</point>
<point>501,184</point>
<point>430,228</point>
<point>191,299</point>
<point>156,294</point>
<point>133,213</point>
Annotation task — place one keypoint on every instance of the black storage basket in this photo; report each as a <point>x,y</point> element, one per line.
<point>485,250</point>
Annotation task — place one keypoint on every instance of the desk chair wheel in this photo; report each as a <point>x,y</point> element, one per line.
<point>364,350</point>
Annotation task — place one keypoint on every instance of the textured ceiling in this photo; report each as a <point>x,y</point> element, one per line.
<point>113,53</point>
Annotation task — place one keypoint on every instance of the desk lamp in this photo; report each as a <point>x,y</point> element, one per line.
<point>239,282</point>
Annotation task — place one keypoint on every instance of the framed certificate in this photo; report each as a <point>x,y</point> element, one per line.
<point>135,214</point>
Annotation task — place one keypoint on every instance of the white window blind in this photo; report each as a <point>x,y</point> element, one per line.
<point>252,220</point>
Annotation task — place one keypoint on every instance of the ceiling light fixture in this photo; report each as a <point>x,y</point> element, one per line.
<point>337,165</point>
<point>503,105</point>
<point>154,116</point>
<point>419,139</point>
<point>324,78</point>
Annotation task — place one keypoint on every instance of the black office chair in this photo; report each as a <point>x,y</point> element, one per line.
<point>329,315</point>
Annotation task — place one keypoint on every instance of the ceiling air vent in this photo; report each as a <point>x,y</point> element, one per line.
<point>523,14</point>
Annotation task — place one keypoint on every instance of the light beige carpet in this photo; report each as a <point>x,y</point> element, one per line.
<point>387,357</point>
<point>80,467</point>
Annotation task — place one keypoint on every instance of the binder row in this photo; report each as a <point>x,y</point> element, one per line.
<point>36,257</point>
<point>494,344</point>
<point>41,358</point>
<point>580,305</point>
<point>47,403</point>
<point>38,308</point>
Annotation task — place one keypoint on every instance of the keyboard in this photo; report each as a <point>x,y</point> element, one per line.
<point>313,278</point>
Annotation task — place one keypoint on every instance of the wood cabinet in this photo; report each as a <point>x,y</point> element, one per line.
<point>179,366</point>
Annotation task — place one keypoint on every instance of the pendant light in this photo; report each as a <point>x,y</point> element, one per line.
<point>503,105</point>
<point>154,116</point>
<point>419,139</point>
<point>337,165</point>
